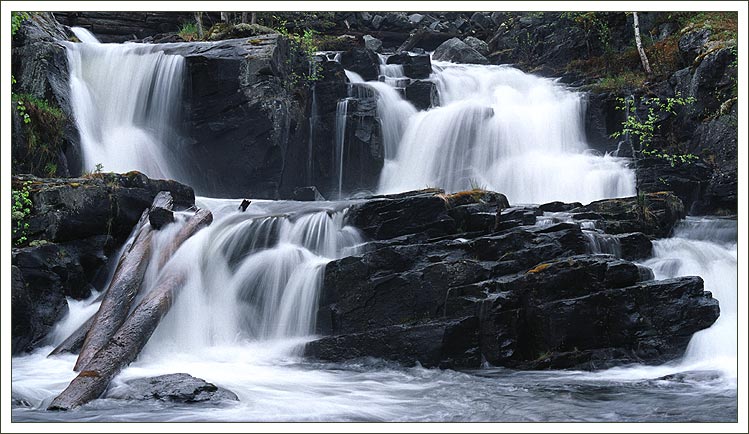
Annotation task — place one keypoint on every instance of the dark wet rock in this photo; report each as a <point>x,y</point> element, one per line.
<point>653,214</point>
<point>422,94</point>
<point>635,246</point>
<point>414,66</point>
<point>686,180</point>
<point>363,153</point>
<point>377,21</point>
<point>482,20</point>
<point>75,226</point>
<point>22,313</point>
<point>477,44</point>
<point>362,61</point>
<point>43,275</point>
<point>389,218</point>
<point>160,217</point>
<point>245,106</point>
<point>444,344</point>
<point>40,68</point>
<point>112,26</point>
<point>691,44</point>
<point>559,206</point>
<point>307,194</point>
<point>424,212</point>
<point>457,51</point>
<point>646,322</point>
<point>177,388</point>
<point>372,43</point>
<point>566,311</point>
<point>108,203</point>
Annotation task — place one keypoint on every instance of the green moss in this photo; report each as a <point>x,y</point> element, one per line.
<point>43,124</point>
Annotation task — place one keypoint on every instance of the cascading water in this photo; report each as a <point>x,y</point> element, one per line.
<point>507,131</point>
<point>253,278</point>
<point>126,101</point>
<point>706,248</point>
<point>340,140</point>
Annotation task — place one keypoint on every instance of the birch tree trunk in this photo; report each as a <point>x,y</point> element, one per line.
<point>638,41</point>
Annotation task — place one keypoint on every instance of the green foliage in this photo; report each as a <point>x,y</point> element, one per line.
<point>188,32</point>
<point>98,168</point>
<point>591,22</point>
<point>16,19</point>
<point>20,210</point>
<point>43,127</point>
<point>304,44</point>
<point>644,129</point>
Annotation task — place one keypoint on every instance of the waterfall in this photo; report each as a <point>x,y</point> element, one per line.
<point>392,75</point>
<point>126,101</point>
<point>254,275</point>
<point>340,139</point>
<point>507,131</point>
<point>706,248</point>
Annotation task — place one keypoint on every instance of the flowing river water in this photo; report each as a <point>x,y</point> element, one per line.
<point>254,277</point>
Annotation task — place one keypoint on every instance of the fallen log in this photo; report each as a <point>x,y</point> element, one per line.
<point>123,348</point>
<point>123,287</point>
<point>195,223</point>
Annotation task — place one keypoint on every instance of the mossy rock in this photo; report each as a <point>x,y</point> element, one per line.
<point>221,31</point>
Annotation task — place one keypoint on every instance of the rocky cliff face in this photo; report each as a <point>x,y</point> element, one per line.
<point>46,144</point>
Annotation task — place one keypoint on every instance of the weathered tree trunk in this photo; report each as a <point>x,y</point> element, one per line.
<point>244,17</point>
<point>192,225</point>
<point>74,342</point>
<point>225,17</point>
<point>123,287</point>
<point>253,18</point>
<point>131,337</point>
<point>199,22</point>
<point>638,42</point>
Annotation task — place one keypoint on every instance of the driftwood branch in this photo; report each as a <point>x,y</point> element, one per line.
<point>124,347</point>
<point>123,287</point>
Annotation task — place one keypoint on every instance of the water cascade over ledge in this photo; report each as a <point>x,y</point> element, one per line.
<point>503,130</point>
<point>126,100</point>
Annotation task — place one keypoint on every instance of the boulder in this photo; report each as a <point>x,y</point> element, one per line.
<point>691,44</point>
<point>66,209</point>
<point>363,62</point>
<point>477,44</point>
<point>44,275</point>
<point>414,66</point>
<point>653,214</point>
<point>456,51</point>
<point>527,298</point>
<point>482,21</point>
<point>377,21</point>
<point>372,43</point>
<point>174,388</point>
<point>635,246</point>
<point>308,194</point>
<point>422,94</point>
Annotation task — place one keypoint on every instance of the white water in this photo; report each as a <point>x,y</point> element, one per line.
<point>504,130</point>
<point>254,279</point>
<point>706,248</point>
<point>340,139</point>
<point>126,100</point>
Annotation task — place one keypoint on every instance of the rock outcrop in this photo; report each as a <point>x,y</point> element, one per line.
<point>444,289</point>
<point>75,225</point>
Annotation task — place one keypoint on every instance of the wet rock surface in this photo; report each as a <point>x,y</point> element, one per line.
<point>433,288</point>
<point>177,388</point>
<point>75,226</point>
